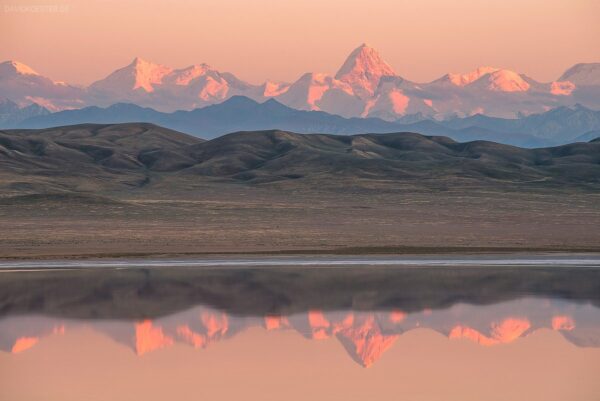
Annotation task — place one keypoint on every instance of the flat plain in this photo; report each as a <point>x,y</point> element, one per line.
<point>250,220</point>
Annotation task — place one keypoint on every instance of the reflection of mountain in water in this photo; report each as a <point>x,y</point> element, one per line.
<point>365,335</point>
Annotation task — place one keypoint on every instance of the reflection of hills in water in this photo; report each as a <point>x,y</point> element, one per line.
<point>365,335</point>
<point>150,293</point>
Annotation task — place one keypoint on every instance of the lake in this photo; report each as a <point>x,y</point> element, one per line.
<point>468,327</point>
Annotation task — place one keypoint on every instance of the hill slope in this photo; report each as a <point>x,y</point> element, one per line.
<point>145,157</point>
<point>89,157</point>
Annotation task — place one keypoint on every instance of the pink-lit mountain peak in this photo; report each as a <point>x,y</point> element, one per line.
<point>507,81</point>
<point>470,77</point>
<point>192,86</point>
<point>15,67</point>
<point>185,75</point>
<point>139,74</point>
<point>274,88</point>
<point>363,69</point>
<point>147,74</point>
<point>491,78</point>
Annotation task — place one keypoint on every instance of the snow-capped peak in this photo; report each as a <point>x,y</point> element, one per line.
<point>147,73</point>
<point>17,67</point>
<point>465,79</point>
<point>583,74</point>
<point>490,78</point>
<point>363,69</point>
<point>507,81</point>
<point>186,75</point>
<point>139,74</point>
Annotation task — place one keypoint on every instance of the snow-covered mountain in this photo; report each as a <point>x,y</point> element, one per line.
<point>367,86</point>
<point>23,85</point>
<point>318,92</point>
<point>164,88</point>
<point>364,86</point>
<point>363,70</point>
<point>583,74</point>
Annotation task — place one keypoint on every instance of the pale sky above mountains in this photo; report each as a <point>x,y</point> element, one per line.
<point>80,41</point>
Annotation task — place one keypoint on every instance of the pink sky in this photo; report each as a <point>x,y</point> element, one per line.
<point>80,41</point>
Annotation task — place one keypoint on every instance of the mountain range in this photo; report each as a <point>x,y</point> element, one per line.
<point>555,127</point>
<point>364,86</point>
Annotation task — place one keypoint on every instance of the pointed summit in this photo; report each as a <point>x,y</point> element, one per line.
<point>147,74</point>
<point>139,74</point>
<point>139,63</point>
<point>363,69</point>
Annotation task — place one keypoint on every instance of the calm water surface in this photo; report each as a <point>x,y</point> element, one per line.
<point>460,328</point>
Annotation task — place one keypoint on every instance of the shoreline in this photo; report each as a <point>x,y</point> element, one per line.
<point>332,252</point>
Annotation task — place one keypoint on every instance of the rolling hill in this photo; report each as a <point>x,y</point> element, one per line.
<point>125,157</point>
